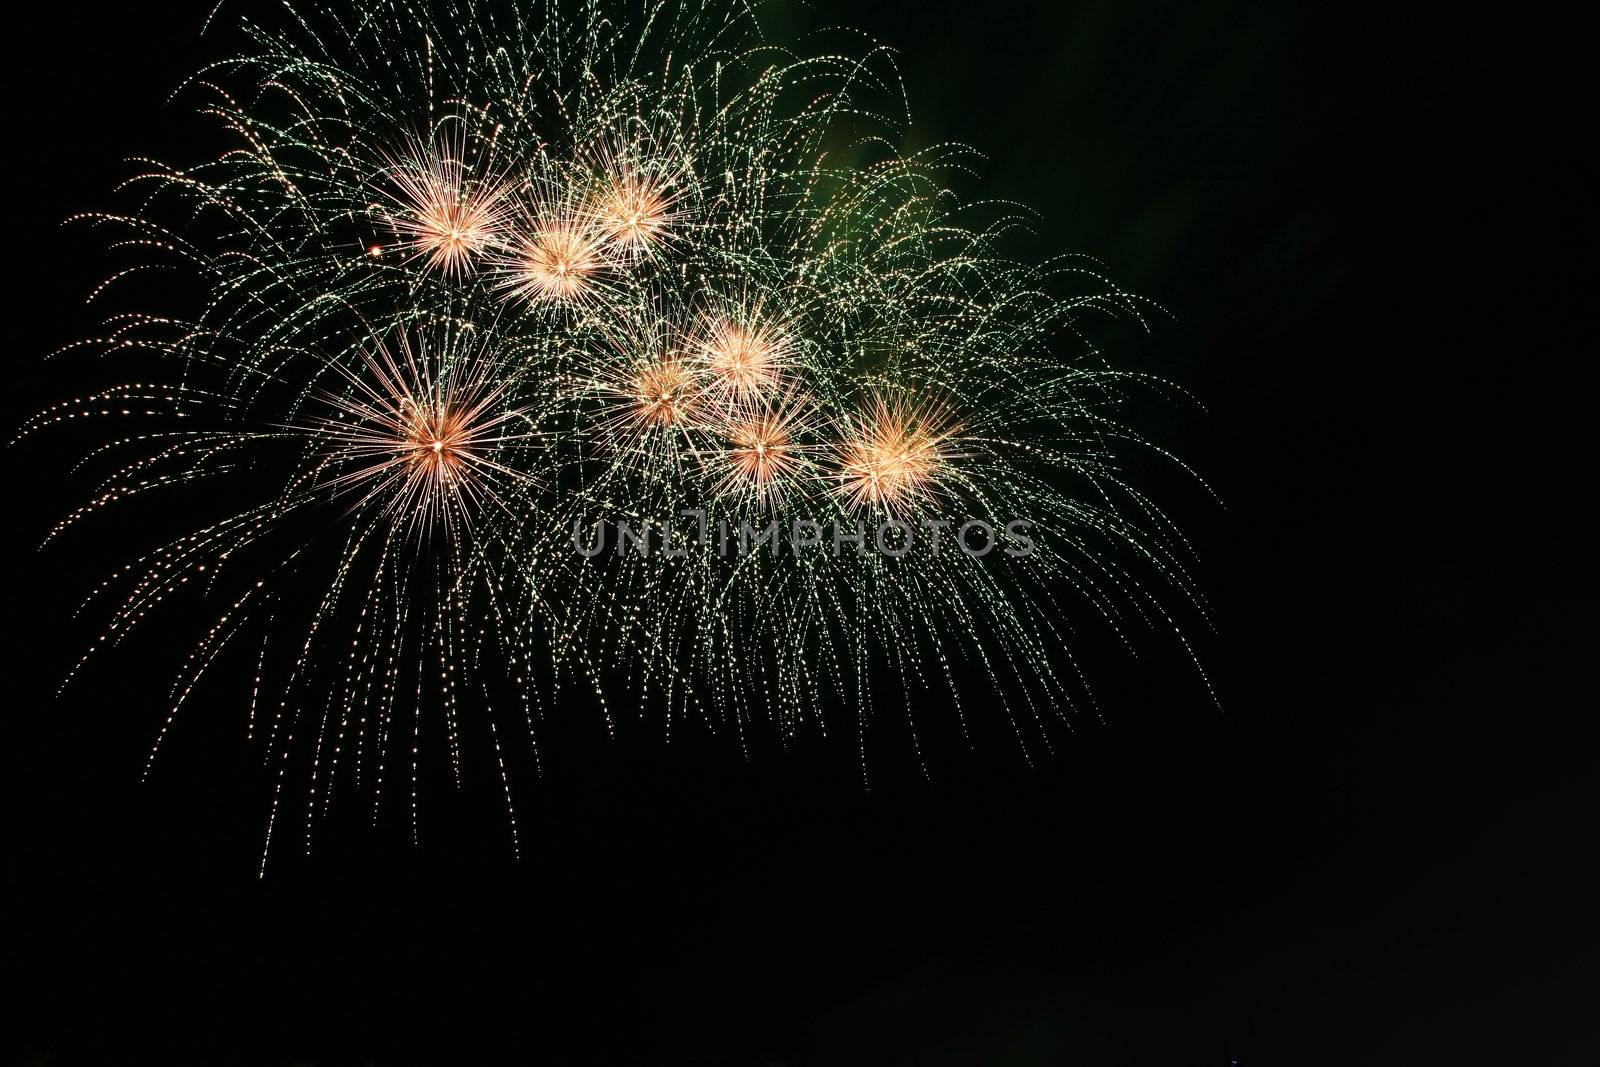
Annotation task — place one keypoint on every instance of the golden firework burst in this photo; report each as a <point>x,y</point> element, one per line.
<point>745,360</point>
<point>440,439</point>
<point>558,261</point>
<point>663,394</point>
<point>417,436</point>
<point>633,212</point>
<point>444,215</point>
<point>895,453</point>
<point>764,455</point>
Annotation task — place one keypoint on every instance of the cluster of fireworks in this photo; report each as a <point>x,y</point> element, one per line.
<point>475,276</point>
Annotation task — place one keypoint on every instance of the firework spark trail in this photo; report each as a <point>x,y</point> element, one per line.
<point>476,277</point>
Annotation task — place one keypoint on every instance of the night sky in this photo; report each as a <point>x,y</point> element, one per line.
<point>1368,226</point>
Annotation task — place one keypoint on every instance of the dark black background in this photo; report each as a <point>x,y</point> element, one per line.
<point>1370,225</point>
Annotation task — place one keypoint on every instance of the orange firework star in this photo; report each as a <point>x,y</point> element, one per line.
<point>895,454</point>
<point>745,361</point>
<point>446,218</point>
<point>559,262</point>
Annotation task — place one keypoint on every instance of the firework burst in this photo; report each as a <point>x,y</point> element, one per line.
<point>896,453</point>
<point>663,394</point>
<point>763,453</point>
<point>417,440</point>
<point>445,216</point>
<point>632,284</point>
<point>558,260</point>
<point>633,212</point>
<point>744,357</point>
